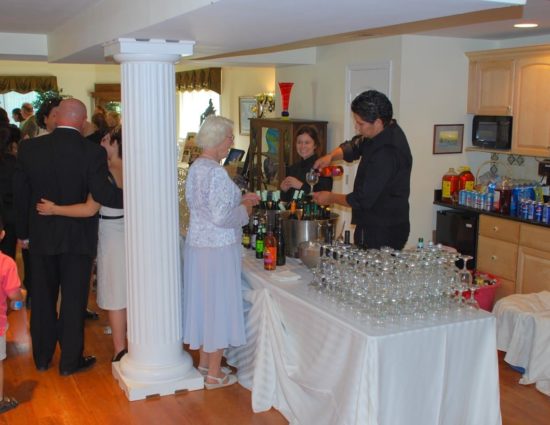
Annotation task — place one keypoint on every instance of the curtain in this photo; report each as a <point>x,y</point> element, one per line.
<point>200,79</point>
<point>25,84</point>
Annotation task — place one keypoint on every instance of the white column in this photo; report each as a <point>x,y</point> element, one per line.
<point>156,362</point>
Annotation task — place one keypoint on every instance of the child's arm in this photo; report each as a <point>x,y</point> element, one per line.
<point>87,209</point>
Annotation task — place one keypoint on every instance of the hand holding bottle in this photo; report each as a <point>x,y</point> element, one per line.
<point>250,200</point>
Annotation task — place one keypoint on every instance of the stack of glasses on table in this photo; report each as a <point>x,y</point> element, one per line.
<point>389,286</point>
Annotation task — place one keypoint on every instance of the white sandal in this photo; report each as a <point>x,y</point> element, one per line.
<point>204,370</point>
<point>226,381</point>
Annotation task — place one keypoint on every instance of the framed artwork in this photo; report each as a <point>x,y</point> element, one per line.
<point>247,110</point>
<point>448,138</point>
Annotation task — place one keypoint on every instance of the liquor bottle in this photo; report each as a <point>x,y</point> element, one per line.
<point>281,248</point>
<point>347,238</point>
<point>332,171</point>
<point>270,250</point>
<point>246,236</point>
<point>300,205</point>
<point>292,207</point>
<point>260,243</point>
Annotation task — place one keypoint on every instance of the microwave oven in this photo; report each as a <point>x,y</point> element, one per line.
<point>492,132</point>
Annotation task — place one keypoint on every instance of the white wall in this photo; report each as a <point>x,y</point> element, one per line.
<point>243,81</point>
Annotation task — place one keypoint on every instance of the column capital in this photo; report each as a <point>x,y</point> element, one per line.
<point>152,50</point>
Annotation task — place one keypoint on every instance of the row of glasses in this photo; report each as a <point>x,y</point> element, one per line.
<point>387,285</point>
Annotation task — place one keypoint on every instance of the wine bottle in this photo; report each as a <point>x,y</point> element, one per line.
<point>254,232</point>
<point>260,243</point>
<point>292,207</point>
<point>270,250</point>
<point>332,171</point>
<point>246,236</point>
<point>281,255</point>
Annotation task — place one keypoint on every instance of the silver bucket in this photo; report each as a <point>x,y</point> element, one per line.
<point>298,231</point>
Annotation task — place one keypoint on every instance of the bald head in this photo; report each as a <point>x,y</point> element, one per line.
<point>71,113</point>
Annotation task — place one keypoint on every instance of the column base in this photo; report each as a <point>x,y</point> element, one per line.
<point>136,390</point>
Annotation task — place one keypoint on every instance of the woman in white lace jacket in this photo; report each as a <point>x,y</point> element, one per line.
<point>213,306</point>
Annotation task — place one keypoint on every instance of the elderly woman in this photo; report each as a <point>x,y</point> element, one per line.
<point>307,145</point>
<point>213,306</point>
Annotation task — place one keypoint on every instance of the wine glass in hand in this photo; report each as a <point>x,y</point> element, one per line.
<point>312,178</point>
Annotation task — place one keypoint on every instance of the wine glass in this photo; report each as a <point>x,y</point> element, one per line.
<point>312,178</point>
<point>465,278</point>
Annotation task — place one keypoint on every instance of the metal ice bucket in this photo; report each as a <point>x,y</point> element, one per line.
<point>298,231</point>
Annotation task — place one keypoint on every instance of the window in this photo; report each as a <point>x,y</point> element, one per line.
<point>191,105</point>
<point>12,100</point>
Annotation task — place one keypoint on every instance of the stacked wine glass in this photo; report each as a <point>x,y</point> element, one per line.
<point>387,286</point>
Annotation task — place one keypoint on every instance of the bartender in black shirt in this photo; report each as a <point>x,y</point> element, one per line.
<point>380,197</point>
<point>307,143</point>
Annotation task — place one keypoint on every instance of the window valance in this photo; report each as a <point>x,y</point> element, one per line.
<point>200,79</point>
<point>25,84</point>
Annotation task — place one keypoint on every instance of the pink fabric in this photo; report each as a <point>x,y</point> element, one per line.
<point>9,284</point>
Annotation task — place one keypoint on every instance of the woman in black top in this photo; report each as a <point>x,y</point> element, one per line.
<point>307,143</point>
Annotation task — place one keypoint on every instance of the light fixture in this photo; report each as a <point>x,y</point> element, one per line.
<point>526,25</point>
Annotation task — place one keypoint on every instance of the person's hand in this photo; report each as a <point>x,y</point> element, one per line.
<point>291,182</point>
<point>322,198</point>
<point>250,200</point>
<point>323,162</point>
<point>45,207</point>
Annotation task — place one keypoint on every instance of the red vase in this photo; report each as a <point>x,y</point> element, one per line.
<point>285,94</point>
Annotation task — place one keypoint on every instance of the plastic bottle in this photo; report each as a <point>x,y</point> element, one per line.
<point>466,179</point>
<point>449,186</point>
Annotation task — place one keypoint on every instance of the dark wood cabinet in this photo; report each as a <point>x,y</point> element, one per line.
<point>272,149</point>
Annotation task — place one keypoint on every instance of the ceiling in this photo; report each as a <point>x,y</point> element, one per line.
<point>75,30</point>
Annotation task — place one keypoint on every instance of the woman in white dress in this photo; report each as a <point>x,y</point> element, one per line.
<point>213,305</point>
<point>111,268</point>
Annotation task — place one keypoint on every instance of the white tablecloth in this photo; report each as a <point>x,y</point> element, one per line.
<point>523,331</point>
<point>318,364</point>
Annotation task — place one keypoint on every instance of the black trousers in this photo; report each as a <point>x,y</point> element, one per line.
<point>375,237</point>
<point>70,274</point>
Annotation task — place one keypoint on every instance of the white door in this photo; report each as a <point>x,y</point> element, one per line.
<point>359,78</point>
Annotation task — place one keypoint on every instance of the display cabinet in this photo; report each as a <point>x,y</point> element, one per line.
<point>272,149</point>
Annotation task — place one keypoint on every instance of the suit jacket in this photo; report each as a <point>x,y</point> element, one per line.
<point>63,167</point>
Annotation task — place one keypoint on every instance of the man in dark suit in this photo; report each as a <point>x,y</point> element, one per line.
<point>64,167</point>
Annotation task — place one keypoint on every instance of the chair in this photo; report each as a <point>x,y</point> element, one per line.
<point>523,332</point>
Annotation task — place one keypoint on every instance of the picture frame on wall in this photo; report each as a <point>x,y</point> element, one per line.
<point>448,138</point>
<point>247,110</point>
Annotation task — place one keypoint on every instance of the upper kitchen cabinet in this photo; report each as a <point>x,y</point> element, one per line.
<point>514,82</point>
<point>531,126</point>
<point>490,87</point>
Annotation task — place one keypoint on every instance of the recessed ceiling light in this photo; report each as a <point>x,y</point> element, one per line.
<point>526,25</point>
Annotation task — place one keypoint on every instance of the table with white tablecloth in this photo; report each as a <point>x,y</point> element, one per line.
<point>318,363</point>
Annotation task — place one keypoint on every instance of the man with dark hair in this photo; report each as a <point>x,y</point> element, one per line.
<point>64,167</point>
<point>380,197</point>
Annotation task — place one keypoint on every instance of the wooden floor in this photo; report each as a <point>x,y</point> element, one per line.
<point>94,397</point>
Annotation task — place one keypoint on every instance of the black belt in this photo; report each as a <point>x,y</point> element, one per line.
<point>110,217</point>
